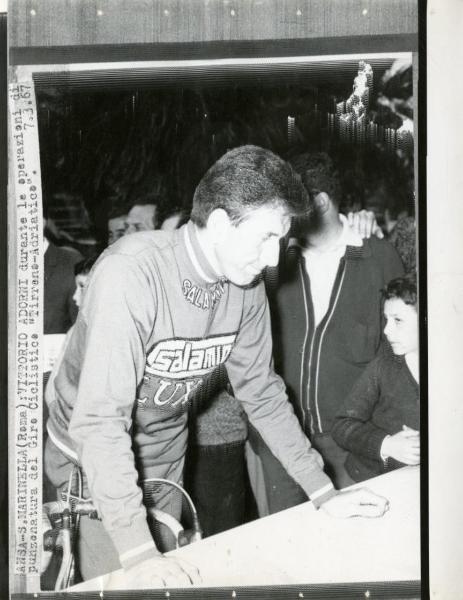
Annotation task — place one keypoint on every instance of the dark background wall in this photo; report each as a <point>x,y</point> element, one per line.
<point>104,148</point>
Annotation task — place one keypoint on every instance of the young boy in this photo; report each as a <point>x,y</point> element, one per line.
<point>380,421</point>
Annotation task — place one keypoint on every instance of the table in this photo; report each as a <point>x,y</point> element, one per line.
<point>305,546</point>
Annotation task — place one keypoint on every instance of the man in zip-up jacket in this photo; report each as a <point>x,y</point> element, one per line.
<point>326,322</point>
<point>161,312</point>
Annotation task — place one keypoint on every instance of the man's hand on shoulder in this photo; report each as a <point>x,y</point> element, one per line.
<point>356,503</point>
<point>363,223</point>
<point>162,571</point>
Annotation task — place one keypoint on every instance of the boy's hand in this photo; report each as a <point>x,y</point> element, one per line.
<point>404,446</point>
<point>364,224</point>
<point>162,571</point>
<point>356,503</point>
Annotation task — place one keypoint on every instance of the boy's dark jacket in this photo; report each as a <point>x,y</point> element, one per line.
<point>384,399</point>
<point>320,366</point>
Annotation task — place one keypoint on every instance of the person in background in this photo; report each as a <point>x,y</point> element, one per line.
<point>161,312</point>
<point>81,274</point>
<point>143,216</point>
<point>116,228</point>
<point>215,466</point>
<point>326,322</point>
<point>60,311</point>
<point>380,420</point>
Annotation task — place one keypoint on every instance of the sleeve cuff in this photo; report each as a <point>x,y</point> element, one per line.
<point>134,543</point>
<point>139,554</point>
<point>315,482</point>
<point>373,444</point>
<point>322,495</point>
<point>384,457</point>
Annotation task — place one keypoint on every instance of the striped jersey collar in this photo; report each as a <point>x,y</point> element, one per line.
<point>198,259</point>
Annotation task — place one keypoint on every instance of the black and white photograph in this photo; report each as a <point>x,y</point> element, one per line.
<point>216,301</point>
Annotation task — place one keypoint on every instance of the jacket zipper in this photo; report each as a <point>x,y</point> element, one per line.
<point>325,326</point>
<point>302,395</point>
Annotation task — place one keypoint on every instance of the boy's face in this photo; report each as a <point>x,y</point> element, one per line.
<point>244,250</point>
<point>401,326</point>
<point>81,284</point>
